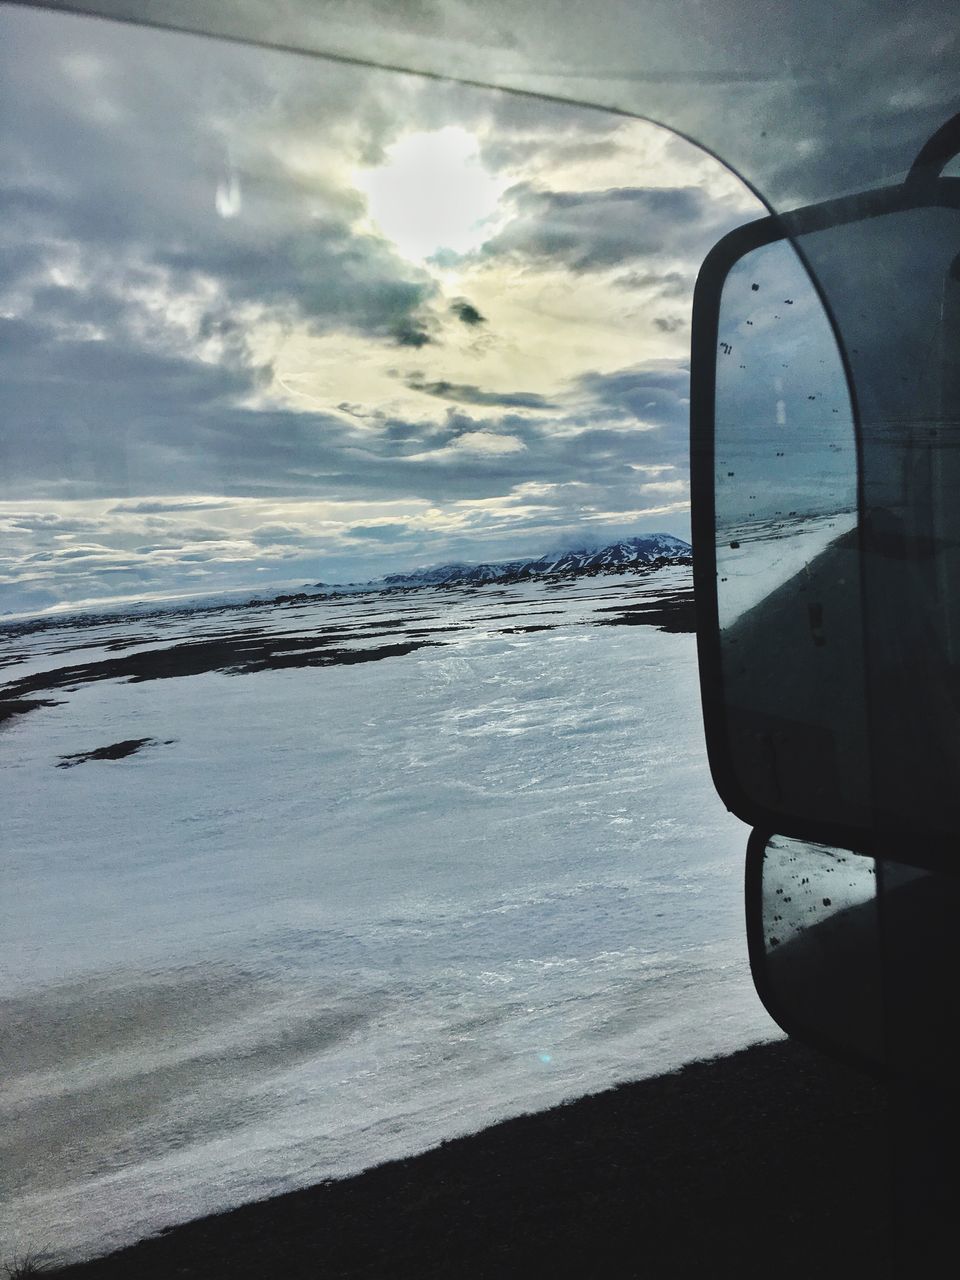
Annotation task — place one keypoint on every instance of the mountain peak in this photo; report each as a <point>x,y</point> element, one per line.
<point>648,551</point>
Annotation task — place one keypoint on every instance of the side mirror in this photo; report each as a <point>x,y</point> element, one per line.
<point>825,454</point>
<point>855,956</point>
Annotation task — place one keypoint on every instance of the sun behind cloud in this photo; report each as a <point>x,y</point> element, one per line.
<point>432,193</point>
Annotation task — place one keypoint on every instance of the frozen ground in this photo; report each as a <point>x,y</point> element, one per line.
<point>333,911</point>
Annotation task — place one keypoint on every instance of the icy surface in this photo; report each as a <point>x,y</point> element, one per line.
<point>329,915</point>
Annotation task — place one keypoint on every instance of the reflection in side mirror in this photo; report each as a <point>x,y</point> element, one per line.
<point>814,936</point>
<point>856,956</point>
<point>787,574</point>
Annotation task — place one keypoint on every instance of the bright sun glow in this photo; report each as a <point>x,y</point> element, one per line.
<point>433,193</point>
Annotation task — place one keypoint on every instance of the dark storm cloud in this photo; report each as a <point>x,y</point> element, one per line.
<point>654,399</point>
<point>377,531</point>
<point>49,522</point>
<point>124,165</point>
<point>272,534</point>
<point>320,271</point>
<point>596,230</point>
<point>67,306</point>
<point>49,370</point>
<point>77,415</point>
<point>603,428</point>
<point>467,313</point>
<point>411,332</point>
<point>467,394</point>
<point>96,418</point>
<point>664,284</point>
<point>659,389</point>
<point>506,151</point>
<point>115,418</point>
<point>18,260</point>
<point>162,506</point>
<point>330,276</point>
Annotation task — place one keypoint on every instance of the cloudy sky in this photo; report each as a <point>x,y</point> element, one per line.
<point>268,320</point>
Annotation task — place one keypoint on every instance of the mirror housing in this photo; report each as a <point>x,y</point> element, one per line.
<point>825,478</point>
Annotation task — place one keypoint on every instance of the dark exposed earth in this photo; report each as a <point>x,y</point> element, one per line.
<point>771,1163</point>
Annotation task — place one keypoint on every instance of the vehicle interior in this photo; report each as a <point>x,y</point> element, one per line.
<point>480,686</point>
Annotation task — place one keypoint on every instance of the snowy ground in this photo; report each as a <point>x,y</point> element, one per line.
<point>333,913</point>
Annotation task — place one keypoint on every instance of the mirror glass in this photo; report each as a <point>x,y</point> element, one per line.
<point>817,962</point>
<point>855,954</point>
<point>786,545</point>
<point>840,632</point>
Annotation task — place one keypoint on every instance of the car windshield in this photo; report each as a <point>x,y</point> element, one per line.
<point>352,781</point>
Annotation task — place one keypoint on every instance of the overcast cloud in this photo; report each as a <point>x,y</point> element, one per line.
<point>220,372</point>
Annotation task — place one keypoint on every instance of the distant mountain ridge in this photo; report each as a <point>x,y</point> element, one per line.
<point>653,550</point>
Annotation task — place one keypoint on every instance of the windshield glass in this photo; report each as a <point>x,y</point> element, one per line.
<point>352,781</point>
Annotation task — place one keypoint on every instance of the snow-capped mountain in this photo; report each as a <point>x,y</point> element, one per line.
<point>653,549</point>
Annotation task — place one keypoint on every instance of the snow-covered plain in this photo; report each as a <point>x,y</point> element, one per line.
<point>330,915</point>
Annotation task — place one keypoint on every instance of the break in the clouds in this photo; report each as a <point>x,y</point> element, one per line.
<point>243,345</point>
